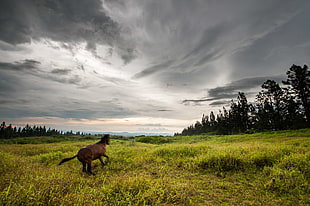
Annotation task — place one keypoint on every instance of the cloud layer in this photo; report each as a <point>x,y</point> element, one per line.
<point>132,65</point>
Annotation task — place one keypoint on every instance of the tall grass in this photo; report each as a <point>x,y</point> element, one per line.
<point>260,169</point>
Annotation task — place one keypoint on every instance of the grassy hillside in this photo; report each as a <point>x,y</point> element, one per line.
<point>260,169</point>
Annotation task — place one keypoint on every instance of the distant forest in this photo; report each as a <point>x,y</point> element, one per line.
<point>275,108</point>
<point>8,131</point>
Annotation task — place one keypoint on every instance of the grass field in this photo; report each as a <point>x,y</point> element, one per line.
<point>270,168</point>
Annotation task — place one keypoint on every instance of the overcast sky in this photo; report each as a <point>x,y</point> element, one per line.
<point>141,65</point>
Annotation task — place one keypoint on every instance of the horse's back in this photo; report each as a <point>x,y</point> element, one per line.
<point>85,154</point>
<point>92,151</point>
<point>97,148</point>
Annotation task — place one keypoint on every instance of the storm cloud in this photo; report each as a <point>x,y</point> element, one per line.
<point>128,65</point>
<point>223,94</point>
<point>27,64</point>
<point>65,21</point>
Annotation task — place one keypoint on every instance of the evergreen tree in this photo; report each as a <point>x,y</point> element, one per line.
<point>243,109</point>
<point>205,123</point>
<point>293,117</point>
<point>271,106</point>
<point>239,114</point>
<point>275,108</point>
<point>299,80</point>
<point>212,120</point>
<point>198,128</point>
<point>2,130</point>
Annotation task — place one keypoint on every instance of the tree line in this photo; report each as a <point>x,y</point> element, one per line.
<point>275,108</point>
<point>8,131</point>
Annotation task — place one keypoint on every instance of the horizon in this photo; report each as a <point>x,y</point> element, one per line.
<point>75,132</point>
<point>140,66</point>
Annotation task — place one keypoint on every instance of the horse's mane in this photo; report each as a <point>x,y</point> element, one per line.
<point>105,139</point>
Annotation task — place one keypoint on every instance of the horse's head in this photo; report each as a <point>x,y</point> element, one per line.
<point>105,139</point>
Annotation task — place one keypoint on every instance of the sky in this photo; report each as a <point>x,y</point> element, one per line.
<point>142,66</point>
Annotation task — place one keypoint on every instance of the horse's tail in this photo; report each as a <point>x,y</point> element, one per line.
<point>67,159</point>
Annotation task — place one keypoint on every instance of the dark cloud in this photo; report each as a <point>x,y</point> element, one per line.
<point>153,69</point>
<point>241,85</point>
<point>208,48</point>
<point>282,45</point>
<point>65,108</point>
<point>128,54</point>
<point>61,71</point>
<point>15,101</point>
<point>220,103</point>
<point>20,113</point>
<point>187,81</point>
<point>64,21</point>
<point>27,64</point>
<point>32,67</point>
<point>74,79</point>
<point>190,35</point>
<point>9,86</point>
<point>13,22</point>
<point>222,95</point>
<point>164,110</point>
<point>234,87</point>
<point>182,49</point>
<point>4,46</point>
<point>92,113</point>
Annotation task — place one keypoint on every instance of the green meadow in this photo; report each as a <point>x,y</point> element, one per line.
<point>271,168</point>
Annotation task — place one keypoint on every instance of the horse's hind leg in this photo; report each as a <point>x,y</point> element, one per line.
<point>84,166</point>
<point>89,168</point>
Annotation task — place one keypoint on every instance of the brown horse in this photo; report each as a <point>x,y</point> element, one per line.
<point>91,152</point>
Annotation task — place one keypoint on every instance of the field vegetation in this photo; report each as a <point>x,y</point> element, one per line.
<point>271,168</point>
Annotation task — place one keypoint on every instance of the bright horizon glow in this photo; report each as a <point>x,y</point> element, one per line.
<point>133,125</point>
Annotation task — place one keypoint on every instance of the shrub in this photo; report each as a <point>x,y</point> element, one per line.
<point>152,140</point>
<point>287,181</point>
<point>299,162</point>
<point>147,191</point>
<point>176,152</point>
<point>263,159</point>
<point>222,163</point>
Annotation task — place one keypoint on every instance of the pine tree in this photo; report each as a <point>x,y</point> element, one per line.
<point>271,106</point>
<point>299,80</point>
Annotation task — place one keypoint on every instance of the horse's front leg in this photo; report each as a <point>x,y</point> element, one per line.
<point>102,163</point>
<point>106,156</point>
